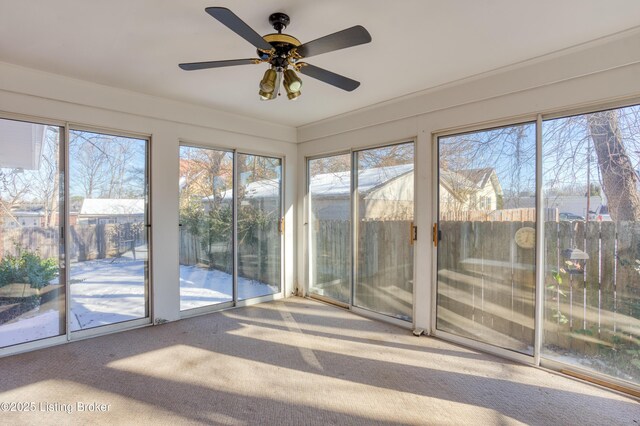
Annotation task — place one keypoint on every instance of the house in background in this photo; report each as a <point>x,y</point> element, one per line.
<point>98,211</point>
<point>555,204</point>
<point>470,190</point>
<point>22,219</point>
<point>263,194</point>
<point>393,199</point>
<point>576,204</point>
<point>385,193</point>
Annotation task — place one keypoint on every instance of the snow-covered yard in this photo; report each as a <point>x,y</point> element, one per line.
<point>106,292</point>
<point>109,291</point>
<point>202,287</point>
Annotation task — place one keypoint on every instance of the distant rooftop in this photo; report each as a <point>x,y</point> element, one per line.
<point>339,183</point>
<point>112,206</point>
<point>478,176</point>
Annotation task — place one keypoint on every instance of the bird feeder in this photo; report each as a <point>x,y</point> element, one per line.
<point>575,259</point>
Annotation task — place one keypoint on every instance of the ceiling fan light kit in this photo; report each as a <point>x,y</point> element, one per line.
<point>292,84</point>
<point>268,82</point>
<point>283,52</point>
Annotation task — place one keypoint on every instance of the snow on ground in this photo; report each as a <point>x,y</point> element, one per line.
<point>106,292</point>
<point>202,287</point>
<point>45,324</point>
<point>109,291</point>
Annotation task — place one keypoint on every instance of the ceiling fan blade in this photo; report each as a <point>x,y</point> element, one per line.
<point>192,66</point>
<point>353,36</point>
<point>238,26</point>
<point>329,77</point>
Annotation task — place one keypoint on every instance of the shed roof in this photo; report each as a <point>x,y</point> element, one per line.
<point>112,206</point>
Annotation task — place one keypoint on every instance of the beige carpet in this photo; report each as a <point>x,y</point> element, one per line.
<point>293,362</point>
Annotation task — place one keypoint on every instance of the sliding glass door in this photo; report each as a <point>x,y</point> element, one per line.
<point>589,281</point>
<point>101,234</point>
<point>108,247</point>
<point>591,165</point>
<point>486,253</point>
<point>363,200</point>
<point>329,222</point>
<point>259,225</point>
<point>230,227</point>
<point>383,281</point>
<point>206,227</point>
<point>32,284</point>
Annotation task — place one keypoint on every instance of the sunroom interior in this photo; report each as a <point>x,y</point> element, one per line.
<point>479,189</point>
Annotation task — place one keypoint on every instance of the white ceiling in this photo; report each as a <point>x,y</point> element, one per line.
<point>417,45</point>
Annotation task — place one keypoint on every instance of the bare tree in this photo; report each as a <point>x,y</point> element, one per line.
<point>332,164</point>
<point>90,163</point>
<point>466,160</point>
<point>105,166</point>
<point>45,181</point>
<point>570,167</point>
<point>205,212</point>
<point>205,173</point>
<point>619,178</point>
<point>12,190</point>
<point>386,156</point>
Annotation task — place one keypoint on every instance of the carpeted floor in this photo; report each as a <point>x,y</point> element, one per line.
<point>292,362</point>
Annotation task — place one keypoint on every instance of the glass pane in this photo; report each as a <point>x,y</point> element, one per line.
<point>32,298</point>
<point>206,227</point>
<point>486,255</point>
<point>259,211</point>
<point>384,274</point>
<point>592,232</point>
<point>330,226</point>
<point>108,249</point>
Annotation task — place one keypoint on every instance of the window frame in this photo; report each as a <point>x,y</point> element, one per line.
<point>202,310</point>
<point>148,279</point>
<point>536,360</point>
<point>65,238</point>
<point>353,232</point>
<point>477,344</point>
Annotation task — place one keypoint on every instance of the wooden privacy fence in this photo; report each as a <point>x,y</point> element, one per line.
<point>384,269</point>
<point>486,284</point>
<point>331,245</point>
<point>384,254</point>
<point>384,273</point>
<point>506,215</point>
<point>194,250</point>
<point>592,303</point>
<point>88,242</point>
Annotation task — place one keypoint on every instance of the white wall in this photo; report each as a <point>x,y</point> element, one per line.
<point>38,94</point>
<point>590,75</point>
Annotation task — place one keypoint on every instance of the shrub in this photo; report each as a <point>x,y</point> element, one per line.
<point>9,269</point>
<point>28,268</point>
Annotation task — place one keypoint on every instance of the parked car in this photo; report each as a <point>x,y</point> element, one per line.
<point>601,214</point>
<point>570,217</point>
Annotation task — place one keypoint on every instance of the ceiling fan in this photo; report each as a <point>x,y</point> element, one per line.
<point>283,52</point>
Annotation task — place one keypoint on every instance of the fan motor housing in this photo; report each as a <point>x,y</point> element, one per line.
<point>282,43</point>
